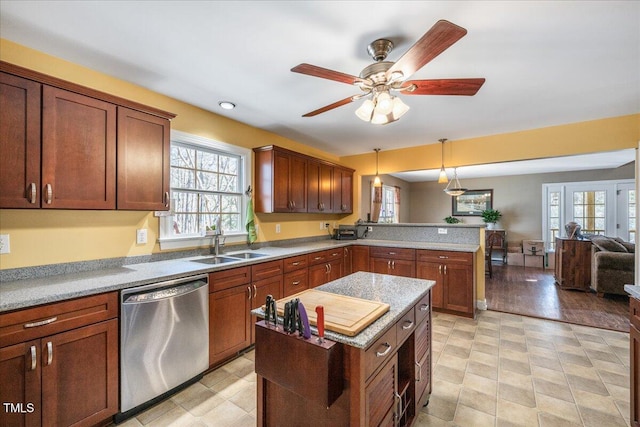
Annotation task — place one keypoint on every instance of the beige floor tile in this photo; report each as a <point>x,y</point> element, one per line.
<point>513,414</point>
<point>549,420</point>
<point>214,377</point>
<point>484,358</point>
<point>594,418</point>
<point>516,380</point>
<point>225,415</point>
<point>131,422</point>
<point>545,373</point>
<point>191,392</point>
<point>446,390</point>
<point>156,411</point>
<point>466,416</point>
<point>446,373</point>
<point>546,362</point>
<point>245,421</point>
<point>521,396</point>
<point>427,420</point>
<point>176,417</point>
<point>613,378</point>
<point>463,334</point>
<point>559,408</point>
<point>553,389</point>
<point>230,386</point>
<point>481,384</point>
<point>624,408</point>
<point>518,356</point>
<point>487,371</point>
<point>245,399</point>
<point>485,348</point>
<point>478,400</point>
<point>595,401</point>
<point>617,368</point>
<point>451,361</point>
<point>203,403</point>
<point>618,393</point>
<point>444,409</point>
<point>515,366</point>
<point>587,384</point>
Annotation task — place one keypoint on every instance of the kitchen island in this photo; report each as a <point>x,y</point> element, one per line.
<point>381,376</point>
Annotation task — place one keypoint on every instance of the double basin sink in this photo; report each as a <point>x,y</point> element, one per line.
<point>223,259</point>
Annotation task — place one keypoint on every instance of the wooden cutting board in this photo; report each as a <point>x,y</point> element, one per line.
<point>342,314</point>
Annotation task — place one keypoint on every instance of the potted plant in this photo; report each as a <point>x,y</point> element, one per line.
<point>490,217</point>
<point>452,220</point>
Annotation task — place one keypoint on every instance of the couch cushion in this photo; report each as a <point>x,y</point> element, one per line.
<point>607,244</point>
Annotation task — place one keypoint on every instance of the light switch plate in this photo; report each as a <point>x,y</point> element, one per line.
<point>442,231</point>
<point>5,244</point>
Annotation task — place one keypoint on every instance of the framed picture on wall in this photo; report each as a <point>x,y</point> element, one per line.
<point>472,203</point>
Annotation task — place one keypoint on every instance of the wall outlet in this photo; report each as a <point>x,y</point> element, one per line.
<point>5,244</point>
<point>324,225</point>
<point>369,228</point>
<point>141,236</point>
<point>277,228</point>
<point>442,231</point>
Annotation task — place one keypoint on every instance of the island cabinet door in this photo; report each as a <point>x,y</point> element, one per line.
<point>423,362</point>
<point>380,395</point>
<point>433,271</point>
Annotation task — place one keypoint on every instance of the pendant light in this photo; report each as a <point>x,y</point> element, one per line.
<point>457,189</point>
<point>442,178</point>
<point>376,181</point>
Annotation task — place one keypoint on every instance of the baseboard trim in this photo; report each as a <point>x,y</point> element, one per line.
<point>481,304</point>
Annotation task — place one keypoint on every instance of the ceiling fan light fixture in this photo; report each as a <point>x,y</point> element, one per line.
<point>384,103</point>
<point>365,111</point>
<point>399,108</point>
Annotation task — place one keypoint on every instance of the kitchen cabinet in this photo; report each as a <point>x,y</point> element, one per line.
<point>281,181</point>
<point>229,306</point>
<point>325,266</point>
<point>342,190</point>
<point>296,275</point>
<point>347,261</point>
<point>65,146</point>
<point>267,279</point>
<point>59,362</point>
<point>454,291</point>
<point>573,264</point>
<point>394,261</point>
<point>287,181</point>
<point>380,395</point>
<point>634,347</point>
<point>319,182</point>
<point>20,148</point>
<point>360,258</point>
<point>143,161</point>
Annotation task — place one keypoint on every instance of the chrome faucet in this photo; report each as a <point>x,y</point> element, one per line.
<point>216,237</point>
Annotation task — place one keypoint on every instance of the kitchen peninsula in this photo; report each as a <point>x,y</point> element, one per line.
<point>381,376</point>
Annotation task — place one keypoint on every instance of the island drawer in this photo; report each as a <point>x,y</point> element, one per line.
<point>31,323</point>
<point>425,255</point>
<point>634,308</point>
<point>405,326</point>
<point>219,280</point>
<point>422,307</point>
<point>266,270</point>
<point>296,263</point>
<point>392,253</point>
<point>379,351</point>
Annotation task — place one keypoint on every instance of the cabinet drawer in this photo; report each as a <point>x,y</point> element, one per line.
<point>634,311</point>
<point>296,281</point>
<point>405,326</point>
<point>392,253</point>
<point>296,263</point>
<point>266,270</point>
<point>37,322</point>
<point>317,258</point>
<point>444,256</point>
<point>423,308</point>
<point>381,350</point>
<point>332,254</point>
<point>226,279</point>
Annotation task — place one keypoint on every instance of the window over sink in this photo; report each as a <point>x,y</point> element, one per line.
<point>208,180</point>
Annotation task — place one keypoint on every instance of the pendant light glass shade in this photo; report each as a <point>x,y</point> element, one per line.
<point>457,189</point>
<point>442,178</point>
<point>377,182</point>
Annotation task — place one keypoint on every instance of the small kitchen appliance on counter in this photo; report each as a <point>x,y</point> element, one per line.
<point>346,232</point>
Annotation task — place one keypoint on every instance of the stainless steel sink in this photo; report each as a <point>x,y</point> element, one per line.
<point>247,255</point>
<point>216,260</point>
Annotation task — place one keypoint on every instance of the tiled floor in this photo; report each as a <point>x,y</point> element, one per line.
<point>499,370</point>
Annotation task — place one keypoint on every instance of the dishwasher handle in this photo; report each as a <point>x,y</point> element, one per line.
<point>164,293</point>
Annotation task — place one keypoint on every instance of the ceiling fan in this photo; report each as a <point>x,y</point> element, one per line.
<point>382,77</point>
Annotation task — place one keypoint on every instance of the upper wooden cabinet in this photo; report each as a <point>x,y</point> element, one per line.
<point>287,181</point>
<point>61,145</point>
<point>143,161</point>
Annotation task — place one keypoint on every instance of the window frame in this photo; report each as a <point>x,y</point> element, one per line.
<point>166,238</point>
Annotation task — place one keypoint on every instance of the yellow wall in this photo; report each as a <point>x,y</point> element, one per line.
<point>40,237</point>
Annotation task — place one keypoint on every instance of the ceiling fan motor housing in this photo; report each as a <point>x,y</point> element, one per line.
<point>379,49</point>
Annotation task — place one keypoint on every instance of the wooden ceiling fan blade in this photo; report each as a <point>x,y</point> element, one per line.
<point>466,87</point>
<point>435,41</point>
<point>325,73</point>
<point>329,107</point>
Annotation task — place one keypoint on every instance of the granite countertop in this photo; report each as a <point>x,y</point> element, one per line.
<point>25,293</point>
<point>401,293</point>
<point>633,290</point>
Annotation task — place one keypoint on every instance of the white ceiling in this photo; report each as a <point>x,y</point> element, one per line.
<point>545,63</point>
<point>608,160</point>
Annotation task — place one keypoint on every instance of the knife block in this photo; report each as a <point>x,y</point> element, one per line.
<point>305,367</point>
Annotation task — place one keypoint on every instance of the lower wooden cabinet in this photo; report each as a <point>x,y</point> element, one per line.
<point>229,322</point>
<point>380,395</point>
<point>68,378</point>
<point>634,350</point>
<point>394,261</point>
<point>359,258</point>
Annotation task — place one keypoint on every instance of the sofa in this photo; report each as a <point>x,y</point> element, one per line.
<point>612,265</point>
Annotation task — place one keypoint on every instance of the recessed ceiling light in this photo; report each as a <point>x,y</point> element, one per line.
<point>227,105</point>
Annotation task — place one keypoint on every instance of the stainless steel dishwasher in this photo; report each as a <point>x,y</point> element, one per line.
<point>164,340</point>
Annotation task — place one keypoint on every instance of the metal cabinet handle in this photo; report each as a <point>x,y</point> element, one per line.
<point>166,199</point>
<point>255,292</point>
<point>419,372</point>
<point>440,269</point>
<point>317,258</point>
<point>445,269</point>
<point>393,265</point>
<point>293,203</point>
<point>34,359</point>
<point>249,291</point>
<point>335,254</point>
<point>408,324</point>
<point>392,253</point>
<point>424,307</point>
<point>49,194</point>
<point>295,263</point>
<point>49,353</point>
<point>295,283</point>
<point>32,193</point>
<point>330,267</point>
<point>398,405</point>
<point>41,322</point>
<point>384,353</point>
<point>443,257</point>
<point>389,264</point>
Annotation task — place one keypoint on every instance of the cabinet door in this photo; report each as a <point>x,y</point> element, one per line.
<point>20,372</point>
<point>380,394</point>
<point>634,347</point>
<point>347,261</point>
<point>432,271</point>
<point>281,178</point>
<point>229,327</point>
<point>335,269</point>
<point>261,288</point>
<point>80,375</point>
<point>380,265</point>
<point>360,258</point>
<point>20,142</point>
<point>342,190</point>
<point>319,177</point>
<point>401,267</point>
<point>458,288</point>
<point>318,275</point>
<point>423,362</point>
<point>143,161</point>
<point>78,151</point>
<point>298,183</point>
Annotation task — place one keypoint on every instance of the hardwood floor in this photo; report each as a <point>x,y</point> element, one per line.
<point>533,292</point>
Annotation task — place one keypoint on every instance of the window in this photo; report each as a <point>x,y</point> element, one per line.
<point>387,213</point>
<point>553,228</point>
<point>207,182</point>
<point>589,210</point>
